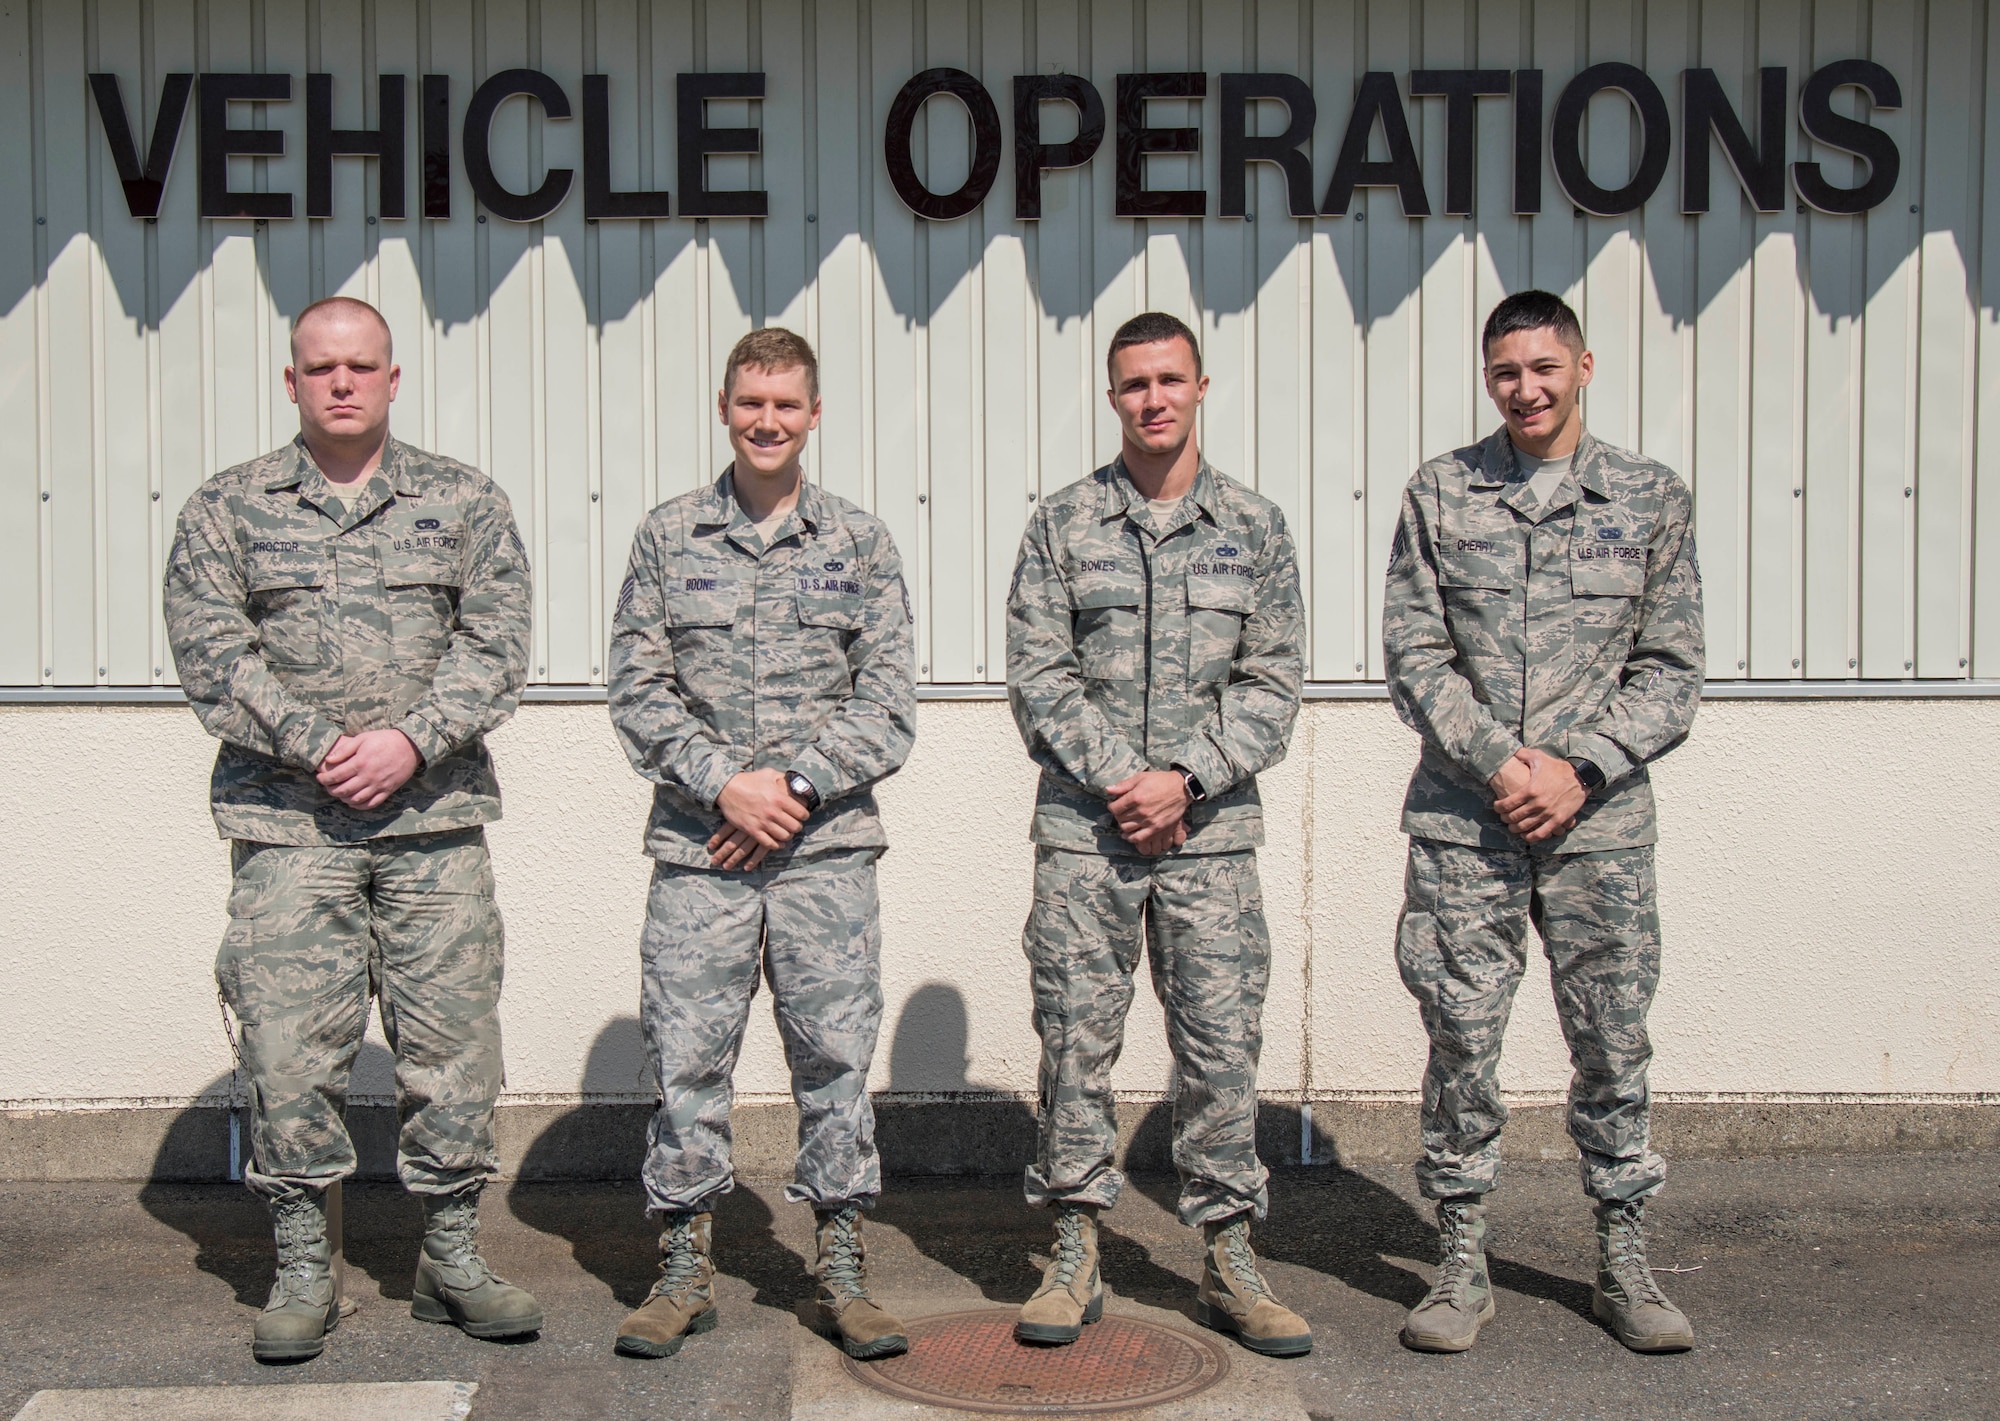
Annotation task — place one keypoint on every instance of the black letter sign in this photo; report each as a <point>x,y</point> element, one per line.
<point>324,143</point>
<point>1239,149</point>
<point>1872,145</point>
<point>1527,142</point>
<point>1655,137</point>
<point>486,101</point>
<point>219,141</point>
<point>696,140</point>
<point>1377,99</point>
<point>144,187</point>
<point>1031,155</point>
<point>1460,89</point>
<point>1136,140</point>
<point>943,207</point>
<point>437,145</point>
<point>1761,169</point>
<point>598,198</point>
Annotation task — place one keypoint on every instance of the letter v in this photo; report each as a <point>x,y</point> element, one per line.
<point>143,190</point>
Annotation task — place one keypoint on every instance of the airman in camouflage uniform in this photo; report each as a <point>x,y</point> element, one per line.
<point>1142,640</point>
<point>301,612</point>
<point>1558,629</point>
<point>739,648</point>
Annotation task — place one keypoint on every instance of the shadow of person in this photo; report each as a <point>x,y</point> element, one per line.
<point>977,1130</point>
<point>188,1188</point>
<point>1336,1220</point>
<point>578,1180</point>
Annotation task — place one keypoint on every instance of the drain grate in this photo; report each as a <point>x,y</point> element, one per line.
<point>971,1361</point>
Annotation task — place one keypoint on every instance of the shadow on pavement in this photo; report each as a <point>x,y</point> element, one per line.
<point>230,1227</point>
<point>608,1232</point>
<point>1357,1228</point>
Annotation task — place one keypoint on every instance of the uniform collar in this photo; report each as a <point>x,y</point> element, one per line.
<point>1123,499</point>
<point>721,510</point>
<point>395,475</point>
<point>1500,467</point>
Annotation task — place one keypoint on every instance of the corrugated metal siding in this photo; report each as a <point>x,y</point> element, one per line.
<point>1819,380</point>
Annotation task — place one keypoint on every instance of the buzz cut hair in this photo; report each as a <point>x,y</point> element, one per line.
<point>1150,328</point>
<point>772,349</point>
<point>328,304</point>
<point>1532,311</point>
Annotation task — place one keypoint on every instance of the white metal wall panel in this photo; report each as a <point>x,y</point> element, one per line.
<point>1825,384</point>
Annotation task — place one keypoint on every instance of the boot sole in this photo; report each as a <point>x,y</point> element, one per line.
<point>425,1308</point>
<point>890,1345</point>
<point>295,1349</point>
<point>1604,1312</point>
<point>1218,1321</point>
<point>1053,1335</point>
<point>630,1346</point>
<point>1419,1342</point>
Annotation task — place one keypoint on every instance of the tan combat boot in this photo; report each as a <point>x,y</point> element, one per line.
<point>1627,1300</point>
<point>1072,1291</point>
<point>302,1308</point>
<point>1460,1302</point>
<point>1234,1297</point>
<point>842,1304</point>
<point>682,1302</point>
<point>453,1283</point>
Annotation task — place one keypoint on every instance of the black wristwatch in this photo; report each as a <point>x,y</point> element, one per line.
<point>802,790</point>
<point>1587,773</point>
<point>1195,793</point>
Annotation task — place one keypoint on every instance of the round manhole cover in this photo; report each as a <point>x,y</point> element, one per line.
<point>971,1361</point>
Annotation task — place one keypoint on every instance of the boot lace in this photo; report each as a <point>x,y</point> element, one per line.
<point>1242,1261</point>
<point>298,1228</point>
<point>680,1262</point>
<point>1068,1254</point>
<point>1455,1269</point>
<point>843,1274</point>
<point>1625,1254</point>
<point>457,1224</point>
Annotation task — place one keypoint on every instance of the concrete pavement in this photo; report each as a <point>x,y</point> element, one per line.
<point>1819,1286</point>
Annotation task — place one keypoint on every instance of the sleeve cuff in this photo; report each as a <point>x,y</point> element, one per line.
<point>814,765</point>
<point>312,743</point>
<point>1491,753</point>
<point>1201,756</point>
<point>1602,752</point>
<point>711,774</point>
<point>422,734</point>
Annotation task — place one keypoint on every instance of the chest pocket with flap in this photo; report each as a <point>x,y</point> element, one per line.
<point>1218,605</point>
<point>1107,626</point>
<point>285,602</point>
<point>423,585</point>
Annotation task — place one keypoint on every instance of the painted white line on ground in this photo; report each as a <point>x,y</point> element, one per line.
<point>272,1401</point>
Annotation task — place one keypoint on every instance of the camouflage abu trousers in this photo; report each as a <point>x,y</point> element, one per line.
<point>1201,920</point>
<point>813,928</point>
<point>313,931</point>
<point>1460,949</point>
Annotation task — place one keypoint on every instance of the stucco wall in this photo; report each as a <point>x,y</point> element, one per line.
<point>1829,871</point>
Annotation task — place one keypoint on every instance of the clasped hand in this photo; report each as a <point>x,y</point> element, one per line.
<point>761,814</point>
<point>1151,810</point>
<point>1537,795</point>
<point>361,771</point>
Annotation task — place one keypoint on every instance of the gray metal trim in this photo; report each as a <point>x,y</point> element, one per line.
<point>1912,690</point>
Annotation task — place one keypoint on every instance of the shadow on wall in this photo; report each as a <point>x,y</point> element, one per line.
<point>610,1236</point>
<point>230,1228</point>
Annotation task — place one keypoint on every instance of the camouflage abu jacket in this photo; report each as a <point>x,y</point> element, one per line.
<point>1576,628</point>
<point>1137,643</point>
<point>731,654</point>
<point>299,611</point>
